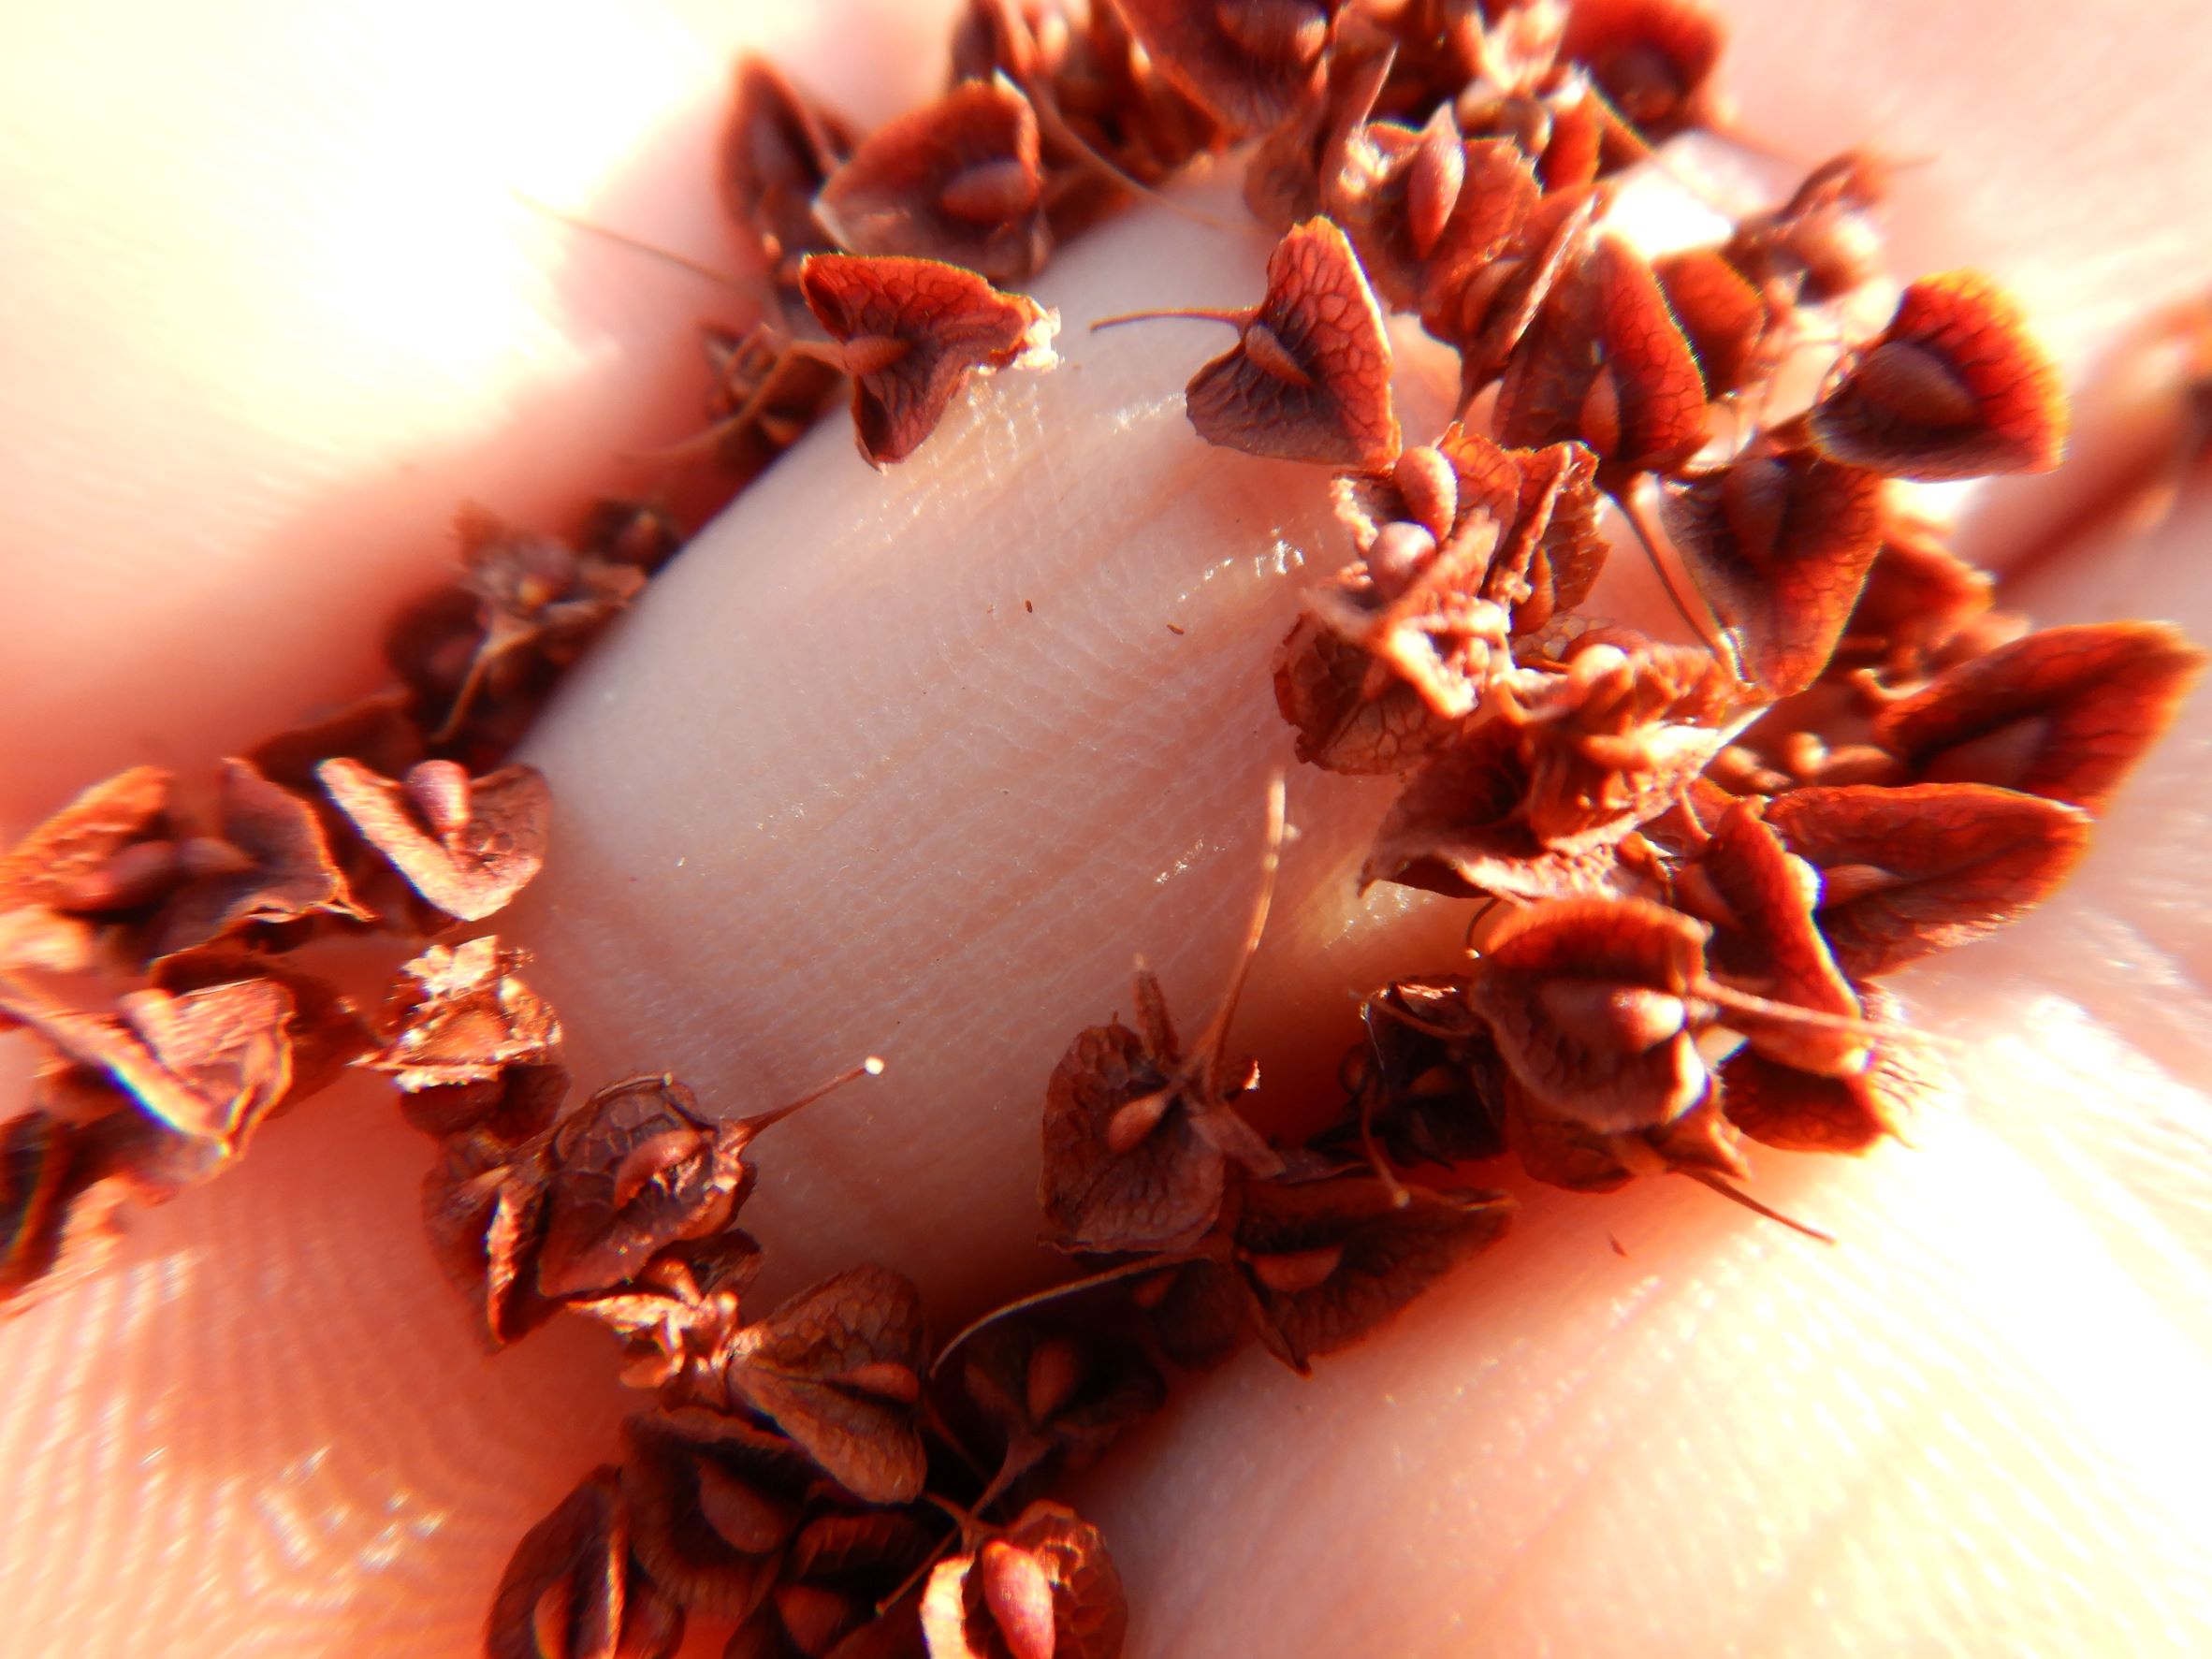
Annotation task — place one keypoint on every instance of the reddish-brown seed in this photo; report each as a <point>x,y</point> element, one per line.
<point>1652,58</point>
<point>1586,999</point>
<point>1605,363</point>
<point>636,1168</point>
<point>912,332</point>
<point>1781,1106</point>
<point>274,865</point>
<point>1736,330</point>
<point>1955,387</point>
<point>1043,1589</point>
<point>1332,1261</point>
<point>1779,546</point>
<point>713,1502</point>
<point>1905,872</point>
<point>571,1590</point>
<point>210,1064</point>
<point>1826,241</point>
<point>2066,712</point>
<point>467,845</point>
<point>837,1368</point>
<point>1247,63</point>
<point>66,861</point>
<point>778,150</point>
<point>957,181</point>
<point>1310,378</point>
<point>459,1015</point>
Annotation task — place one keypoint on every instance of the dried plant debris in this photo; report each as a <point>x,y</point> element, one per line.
<point>1045,1588</point>
<point>466,845</point>
<point>1464,546</point>
<point>766,395</point>
<point>574,1590</point>
<point>482,654</point>
<point>1696,862</point>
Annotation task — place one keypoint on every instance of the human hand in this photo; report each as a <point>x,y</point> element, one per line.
<point>266,1429</point>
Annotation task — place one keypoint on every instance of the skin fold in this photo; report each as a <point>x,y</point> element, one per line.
<point>835,789</point>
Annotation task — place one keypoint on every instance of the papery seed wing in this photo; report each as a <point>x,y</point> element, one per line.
<point>561,1595</point>
<point>465,1018</point>
<point>1725,319</point>
<point>1774,948</point>
<point>930,326</point>
<point>1583,998</point>
<point>838,1368</point>
<point>1780,549</point>
<point>632,1170</point>
<point>710,1517</point>
<point>2081,704</point>
<point>480,865</point>
<point>1637,399</point>
<point>325,1031</point>
<point>1459,828</point>
<point>1321,690</point>
<point>83,836</point>
<point>1955,387</point>
<point>1332,1261</point>
<point>1652,58</point>
<point>1248,64</point>
<point>290,872</point>
<point>1311,379</point>
<point>1781,1106</point>
<point>957,181</point>
<point>1906,872</point>
<point>777,152</point>
<point>225,1051</point>
<point>1090,1612</point>
<point>485,1220</point>
<point>1160,1193</point>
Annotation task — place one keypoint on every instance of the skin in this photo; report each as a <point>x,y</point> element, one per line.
<point>271,275</point>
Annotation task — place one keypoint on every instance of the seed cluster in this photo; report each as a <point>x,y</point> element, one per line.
<point>1695,861</point>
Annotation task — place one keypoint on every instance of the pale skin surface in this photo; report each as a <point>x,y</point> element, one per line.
<point>272,313</point>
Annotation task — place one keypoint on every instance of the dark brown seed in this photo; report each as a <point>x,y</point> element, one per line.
<point>838,1368</point>
<point>1332,1261</point>
<point>571,1591</point>
<point>778,150</point>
